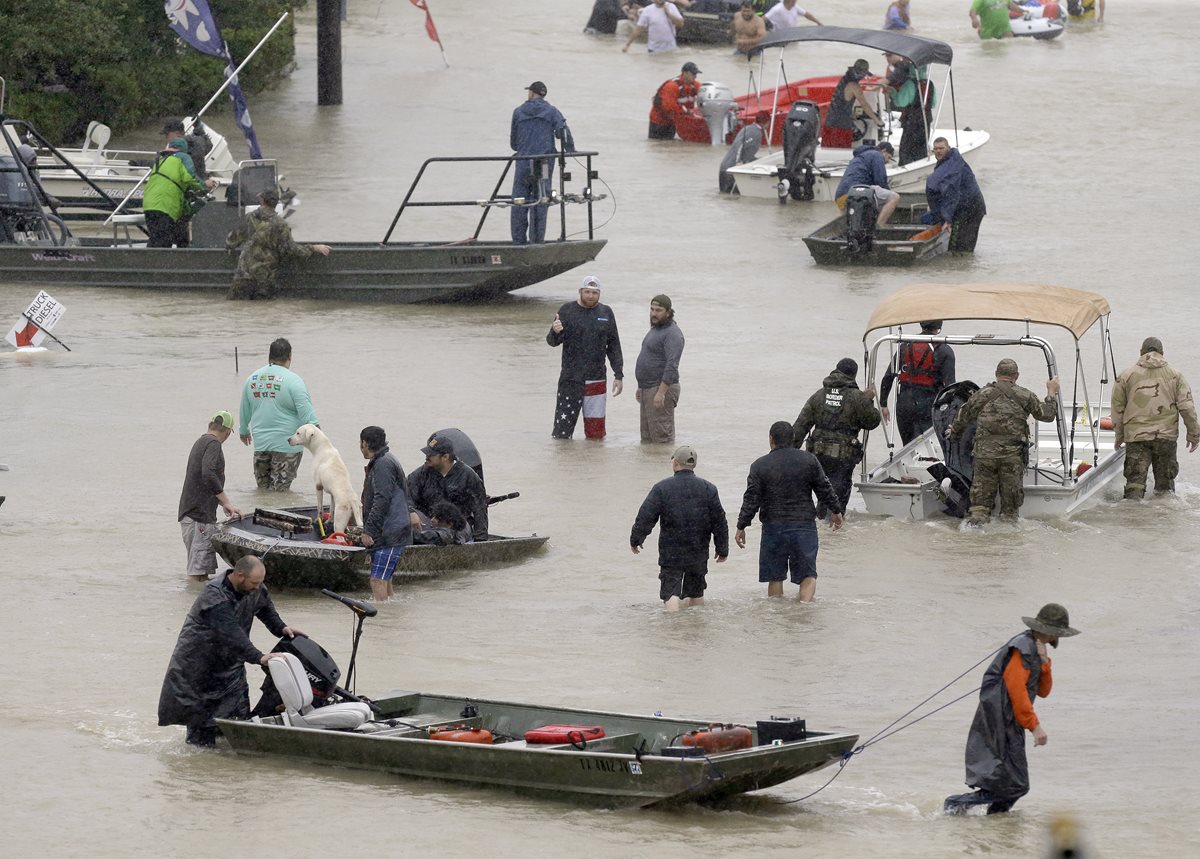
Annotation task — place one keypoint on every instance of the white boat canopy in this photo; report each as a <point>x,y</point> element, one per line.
<point>920,50</point>
<point>1073,309</point>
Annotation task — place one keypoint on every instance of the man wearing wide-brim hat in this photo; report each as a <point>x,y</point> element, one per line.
<point>996,765</point>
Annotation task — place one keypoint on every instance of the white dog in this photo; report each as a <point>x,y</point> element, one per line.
<point>330,475</point>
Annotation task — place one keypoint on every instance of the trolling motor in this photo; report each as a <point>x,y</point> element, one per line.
<point>801,133</point>
<point>321,669</point>
<point>861,214</point>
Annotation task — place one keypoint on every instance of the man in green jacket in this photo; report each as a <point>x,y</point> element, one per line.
<point>1002,409</point>
<point>164,202</point>
<point>1147,402</point>
<point>835,415</point>
<point>275,403</point>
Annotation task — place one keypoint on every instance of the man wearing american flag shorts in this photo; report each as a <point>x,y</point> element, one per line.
<point>587,332</point>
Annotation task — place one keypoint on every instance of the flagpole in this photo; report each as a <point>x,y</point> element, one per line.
<point>249,56</point>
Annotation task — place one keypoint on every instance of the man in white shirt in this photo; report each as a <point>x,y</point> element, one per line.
<point>660,21</point>
<point>786,13</point>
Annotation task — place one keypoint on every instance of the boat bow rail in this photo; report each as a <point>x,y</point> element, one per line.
<point>558,196</point>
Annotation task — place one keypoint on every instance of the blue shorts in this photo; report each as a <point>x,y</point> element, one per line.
<point>383,562</point>
<point>784,546</point>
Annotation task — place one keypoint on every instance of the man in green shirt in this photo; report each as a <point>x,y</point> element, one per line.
<point>990,18</point>
<point>275,403</point>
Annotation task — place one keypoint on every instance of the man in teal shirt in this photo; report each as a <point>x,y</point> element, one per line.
<point>990,18</point>
<point>275,403</point>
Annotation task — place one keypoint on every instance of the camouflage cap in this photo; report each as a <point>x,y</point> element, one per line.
<point>1051,620</point>
<point>1151,344</point>
<point>1007,367</point>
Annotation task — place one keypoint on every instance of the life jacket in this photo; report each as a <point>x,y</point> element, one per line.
<point>917,365</point>
<point>685,99</point>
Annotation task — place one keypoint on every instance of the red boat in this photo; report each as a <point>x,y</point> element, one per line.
<point>756,108</point>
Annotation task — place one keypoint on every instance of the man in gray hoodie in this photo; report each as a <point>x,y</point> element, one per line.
<point>657,373</point>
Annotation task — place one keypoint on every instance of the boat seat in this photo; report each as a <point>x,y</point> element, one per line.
<point>295,689</point>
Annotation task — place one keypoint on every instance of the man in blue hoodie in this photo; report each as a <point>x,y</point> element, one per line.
<point>869,167</point>
<point>535,125</point>
<point>954,197</point>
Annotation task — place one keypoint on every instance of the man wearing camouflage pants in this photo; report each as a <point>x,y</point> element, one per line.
<point>275,403</point>
<point>1002,409</point>
<point>1147,402</point>
<point>264,240</point>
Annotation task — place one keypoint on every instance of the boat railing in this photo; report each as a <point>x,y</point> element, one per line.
<point>1063,431</point>
<point>558,196</point>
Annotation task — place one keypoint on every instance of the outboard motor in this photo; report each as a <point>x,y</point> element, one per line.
<point>22,220</point>
<point>801,133</point>
<point>744,150</point>
<point>323,673</point>
<point>861,215</point>
<point>959,465</point>
<point>719,109</point>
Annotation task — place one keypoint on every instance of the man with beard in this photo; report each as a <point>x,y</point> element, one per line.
<point>657,373</point>
<point>954,197</point>
<point>205,679</point>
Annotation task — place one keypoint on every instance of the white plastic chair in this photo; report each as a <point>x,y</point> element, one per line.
<point>296,690</point>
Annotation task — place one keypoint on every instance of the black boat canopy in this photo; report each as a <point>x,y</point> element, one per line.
<point>920,51</point>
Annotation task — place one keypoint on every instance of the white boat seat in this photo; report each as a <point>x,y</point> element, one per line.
<point>136,218</point>
<point>295,689</point>
<point>97,136</point>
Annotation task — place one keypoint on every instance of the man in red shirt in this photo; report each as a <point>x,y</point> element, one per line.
<point>996,764</point>
<point>674,98</point>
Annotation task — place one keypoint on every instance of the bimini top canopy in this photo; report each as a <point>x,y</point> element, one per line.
<point>1072,309</point>
<point>920,51</point>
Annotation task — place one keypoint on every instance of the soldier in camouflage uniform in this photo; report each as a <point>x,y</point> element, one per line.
<point>1147,402</point>
<point>264,239</point>
<point>835,415</point>
<point>1002,409</point>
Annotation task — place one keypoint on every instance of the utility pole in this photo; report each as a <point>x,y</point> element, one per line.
<point>329,52</point>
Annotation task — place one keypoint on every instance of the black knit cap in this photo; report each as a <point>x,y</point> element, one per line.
<point>848,367</point>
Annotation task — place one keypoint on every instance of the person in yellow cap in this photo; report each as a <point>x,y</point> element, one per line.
<point>203,490</point>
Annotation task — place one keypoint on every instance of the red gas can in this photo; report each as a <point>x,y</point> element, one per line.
<point>720,738</point>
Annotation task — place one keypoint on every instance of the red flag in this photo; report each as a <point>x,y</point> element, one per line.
<point>429,27</point>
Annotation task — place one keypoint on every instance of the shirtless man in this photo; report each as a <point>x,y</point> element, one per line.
<point>748,29</point>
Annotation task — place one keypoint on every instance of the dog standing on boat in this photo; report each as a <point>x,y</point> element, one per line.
<point>330,475</point>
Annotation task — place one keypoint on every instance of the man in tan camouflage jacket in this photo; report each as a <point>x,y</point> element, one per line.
<point>1147,402</point>
<point>1002,409</point>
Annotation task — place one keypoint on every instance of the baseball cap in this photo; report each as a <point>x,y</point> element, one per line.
<point>590,282</point>
<point>537,87</point>
<point>886,147</point>
<point>223,418</point>
<point>685,455</point>
<point>663,301</point>
<point>270,196</point>
<point>437,445</point>
<point>690,67</point>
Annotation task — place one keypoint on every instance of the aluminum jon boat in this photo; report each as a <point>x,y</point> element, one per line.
<point>854,239</point>
<point>1071,460</point>
<point>296,557</point>
<point>38,248</point>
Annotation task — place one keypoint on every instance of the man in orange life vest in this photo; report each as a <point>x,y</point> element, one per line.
<point>674,98</point>
<point>924,369</point>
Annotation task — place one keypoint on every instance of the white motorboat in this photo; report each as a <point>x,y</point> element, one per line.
<point>1071,460</point>
<point>769,176</point>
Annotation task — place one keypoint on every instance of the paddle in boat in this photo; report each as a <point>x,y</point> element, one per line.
<point>1071,461</point>
<point>38,247</point>
<point>814,158</point>
<point>586,756</point>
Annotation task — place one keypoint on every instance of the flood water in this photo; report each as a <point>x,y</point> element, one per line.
<point>1090,183</point>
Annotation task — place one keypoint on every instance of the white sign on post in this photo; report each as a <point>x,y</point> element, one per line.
<point>41,316</point>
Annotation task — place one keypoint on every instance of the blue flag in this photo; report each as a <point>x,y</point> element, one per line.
<point>192,20</point>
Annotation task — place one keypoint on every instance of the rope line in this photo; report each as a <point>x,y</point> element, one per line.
<point>888,731</point>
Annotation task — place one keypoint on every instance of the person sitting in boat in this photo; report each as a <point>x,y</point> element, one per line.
<point>164,203</point>
<point>849,98</point>
<point>444,478</point>
<point>869,167</point>
<point>897,17</point>
<point>748,29</point>
<point>447,527</point>
<point>264,239</point>
<point>954,197</point>
<point>910,89</point>
<point>675,98</point>
<point>990,17</point>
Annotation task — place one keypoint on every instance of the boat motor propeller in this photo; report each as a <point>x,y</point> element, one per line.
<point>801,133</point>
<point>861,215</point>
